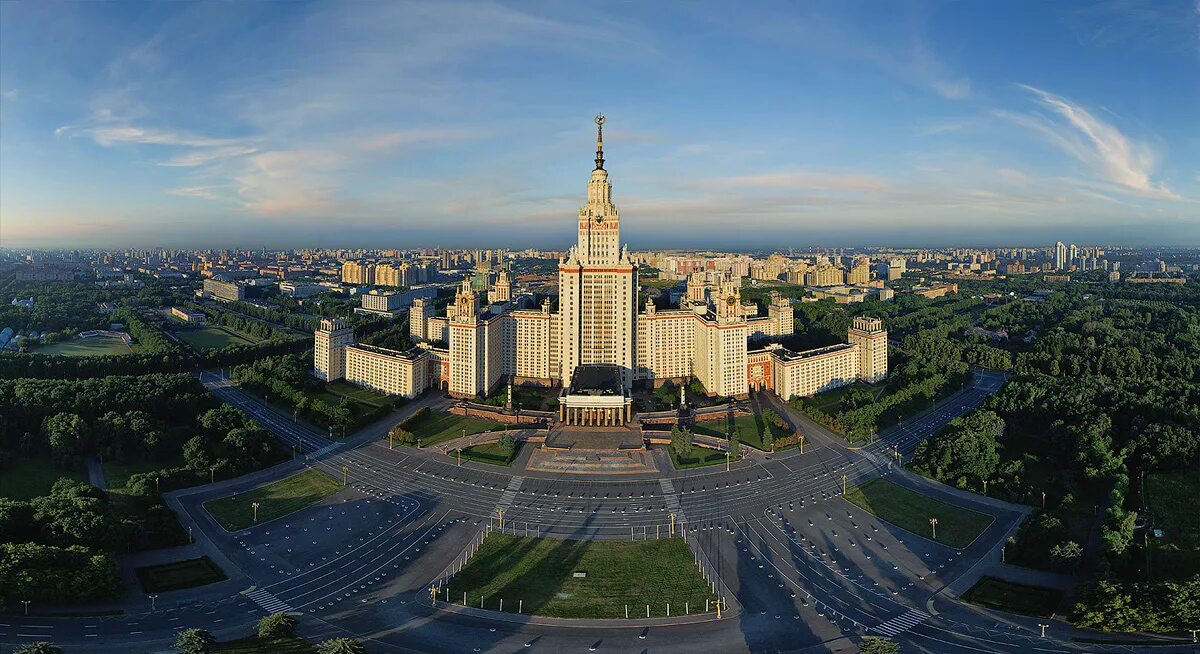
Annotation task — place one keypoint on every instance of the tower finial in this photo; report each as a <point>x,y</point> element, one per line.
<point>600,141</point>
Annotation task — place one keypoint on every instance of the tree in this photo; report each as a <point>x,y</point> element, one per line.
<point>401,435</point>
<point>341,646</point>
<point>876,645</point>
<point>40,647</point>
<point>194,641</point>
<point>1066,555</point>
<point>735,448</point>
<point>276,625</point>
<point>66,433</point>
<point>681,441</point>
<point>508,443</point>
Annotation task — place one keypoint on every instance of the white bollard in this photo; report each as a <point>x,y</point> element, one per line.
<point>647,610</point>
<point>668,609</point>
<point>626,611</point>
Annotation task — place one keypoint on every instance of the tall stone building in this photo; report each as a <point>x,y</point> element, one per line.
<point>597,345</point>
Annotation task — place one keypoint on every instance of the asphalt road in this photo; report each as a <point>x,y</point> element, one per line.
<point>801,569</point>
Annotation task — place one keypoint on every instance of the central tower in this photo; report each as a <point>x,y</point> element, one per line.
<point>597,284</point>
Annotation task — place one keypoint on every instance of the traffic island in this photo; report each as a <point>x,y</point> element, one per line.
<point>527,577</point>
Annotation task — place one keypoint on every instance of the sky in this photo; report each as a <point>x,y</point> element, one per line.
<point>730,125</point>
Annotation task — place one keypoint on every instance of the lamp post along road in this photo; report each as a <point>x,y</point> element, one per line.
<point>933,524</point>
<point>254,506</point>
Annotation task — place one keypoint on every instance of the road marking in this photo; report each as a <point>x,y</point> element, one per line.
<point>901,623</point>
<point>269,602</point>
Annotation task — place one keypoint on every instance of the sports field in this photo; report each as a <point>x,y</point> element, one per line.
<point>86,347</point>
<point>911,511</point>
<point>275,500</point>
<point>582,579</point>
<point>210,337</point>
<point>437,427</point>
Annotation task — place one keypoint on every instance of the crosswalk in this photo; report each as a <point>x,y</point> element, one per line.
<point>901,623</point>
<point>268,601</point>
<point>671,498</point>
<point>510,491</point>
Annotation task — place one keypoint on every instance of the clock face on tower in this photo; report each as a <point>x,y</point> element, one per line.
<point>599,219</point>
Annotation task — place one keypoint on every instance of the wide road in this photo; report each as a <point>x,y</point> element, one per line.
<point>801,568</point>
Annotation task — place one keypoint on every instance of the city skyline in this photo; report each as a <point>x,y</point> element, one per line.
<point>460,125</point>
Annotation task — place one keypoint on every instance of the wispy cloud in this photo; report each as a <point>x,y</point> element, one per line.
<point>1125,163</point>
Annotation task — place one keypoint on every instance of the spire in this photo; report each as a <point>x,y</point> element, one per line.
<point>599,142</point>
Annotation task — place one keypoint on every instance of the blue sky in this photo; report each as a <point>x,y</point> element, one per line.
<point>730,124</point>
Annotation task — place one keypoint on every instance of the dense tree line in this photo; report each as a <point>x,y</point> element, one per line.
<point>286,380</point>
<point>916,384</point>
<point>1104,390</point>
<point>60,547</point>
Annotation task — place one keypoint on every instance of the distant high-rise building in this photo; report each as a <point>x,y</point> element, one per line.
<point>1060,256</point>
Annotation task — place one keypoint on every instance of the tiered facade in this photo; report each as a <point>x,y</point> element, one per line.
<point>597,326</point>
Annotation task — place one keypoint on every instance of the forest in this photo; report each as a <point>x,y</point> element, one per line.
<point>1104,391</point>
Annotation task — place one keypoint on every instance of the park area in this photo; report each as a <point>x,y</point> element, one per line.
<point>275,500</point>
<point>749,429</point>
<point>1002,595</point>
<point>491,453</point>
<point>956,527</point>
<point>1171,497</point>
<point>211,337</point>
<point>435,427</point>
<point>86,347</point>
<point>179,574</point>
<point>699,457</point>
<point>25,478</point>
<point>583,579</point>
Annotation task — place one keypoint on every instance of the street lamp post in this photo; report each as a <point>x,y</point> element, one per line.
<point>345,475</point>
<point>933,525</point>
<point>26,603</point>
<point>802,443</point>
<point>254,505</point>
<point>1043,626</point>
<point>1043,500</point>
<point>212,474</point>
<point>843,485</point>
<point>152,598</point>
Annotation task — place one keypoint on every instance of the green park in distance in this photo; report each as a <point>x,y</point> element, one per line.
<point>86,347</point>
<point>537,577</point>
<point>911,511</point>
<point>275,500</point>
<point>211,337</point>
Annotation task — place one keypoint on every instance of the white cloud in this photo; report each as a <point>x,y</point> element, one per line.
<point>1124,162</point>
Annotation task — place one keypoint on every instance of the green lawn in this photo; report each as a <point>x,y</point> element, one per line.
<point>700,456</point>
<point>437,427</point>
<point>750,430</point>
<point>1171,497</point>
<point>179,574</point>
<point>212,337</point>
<point>256,645</point>
<point>911,511</point>
<point>540,573</point>
<point>276,499</point>
<point>490,453</point>
<point>85,347</point>
<point>358,393</point>
<point>1014,598</point>
<point>27,478</point>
